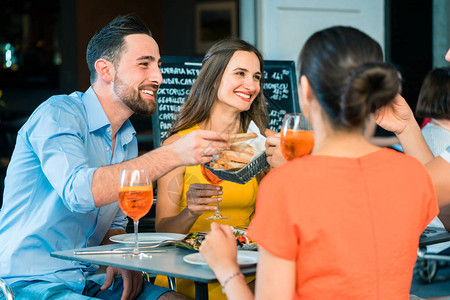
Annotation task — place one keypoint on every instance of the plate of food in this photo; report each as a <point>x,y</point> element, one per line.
<point>243,241</point>
<point>148,238</point>
<point>244,258</point>
<point>193,241</point>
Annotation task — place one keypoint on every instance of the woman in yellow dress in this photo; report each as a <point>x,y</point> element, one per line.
<point>226,97</point>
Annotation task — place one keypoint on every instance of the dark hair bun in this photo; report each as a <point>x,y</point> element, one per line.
<point>369,87</point>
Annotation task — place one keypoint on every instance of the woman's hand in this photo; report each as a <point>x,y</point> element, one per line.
<point>396,116</point>
<point>200,195</point>
<point>399,118</point>
<point>273,151</point>
<point>219,249</point>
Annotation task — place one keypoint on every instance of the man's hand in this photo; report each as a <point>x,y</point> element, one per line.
<point>199,146</point>
<point>132,282</point>
<point>273,151</point>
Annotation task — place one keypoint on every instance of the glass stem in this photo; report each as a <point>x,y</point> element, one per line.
<point>136,241</point>
<point>218,210</point>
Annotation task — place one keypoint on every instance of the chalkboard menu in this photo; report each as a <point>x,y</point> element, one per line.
<point>280,90</point>
<point>179,73</point>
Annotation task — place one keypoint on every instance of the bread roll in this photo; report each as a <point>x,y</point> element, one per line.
<point>239,137</point>
<point>226,165</point>
<point>241,157</point>
<point>243,147</point>
<point>237,156</point>
<point>231,165</point>
<point>217,166</point>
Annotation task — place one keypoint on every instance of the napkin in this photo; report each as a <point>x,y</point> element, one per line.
<point>259,143</point>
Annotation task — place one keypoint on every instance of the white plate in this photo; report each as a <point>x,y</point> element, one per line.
<point>245,258</point>
<point>147,238</point>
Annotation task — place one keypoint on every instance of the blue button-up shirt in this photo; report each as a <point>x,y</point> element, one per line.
<point>48,205</point>
<point>446,154</point>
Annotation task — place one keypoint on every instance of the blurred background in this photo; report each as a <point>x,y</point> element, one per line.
<point>43,43</point>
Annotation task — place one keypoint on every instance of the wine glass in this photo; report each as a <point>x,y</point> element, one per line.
<point>297,136</point>
<point>135,199</point>
<point>213,179</point>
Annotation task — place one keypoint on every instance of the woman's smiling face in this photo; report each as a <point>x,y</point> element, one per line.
<point>240,81</point>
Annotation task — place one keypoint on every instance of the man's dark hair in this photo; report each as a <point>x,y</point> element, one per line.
<point>108,42</point>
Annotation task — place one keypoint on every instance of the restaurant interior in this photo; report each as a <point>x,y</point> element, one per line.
<point>42,53</point>
<point>42,50</point>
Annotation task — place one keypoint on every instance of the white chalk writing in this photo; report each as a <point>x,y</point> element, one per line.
<point>174,100</point>
<point>179,81</point>
<point>168,107</point>
<point>180,71</point>
<point>277,91</point>
<point>173,92</point>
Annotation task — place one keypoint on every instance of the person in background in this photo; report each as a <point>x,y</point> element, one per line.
<point>61,187</point>
<point>226,96</point>
<point>434,104</point>
<point>335,208</point>
<point>399,119</point>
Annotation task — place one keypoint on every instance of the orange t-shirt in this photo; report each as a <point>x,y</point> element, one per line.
<point>351,225</point>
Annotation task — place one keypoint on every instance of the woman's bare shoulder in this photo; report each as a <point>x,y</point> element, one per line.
<point>171,139</point>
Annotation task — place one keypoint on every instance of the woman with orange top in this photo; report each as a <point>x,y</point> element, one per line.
<point>226,97</point>
<point>343,222</point>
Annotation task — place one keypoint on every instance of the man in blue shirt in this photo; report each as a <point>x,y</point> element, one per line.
<point>61,187</point>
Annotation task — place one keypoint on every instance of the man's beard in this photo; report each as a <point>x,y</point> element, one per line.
<point>132,99</point>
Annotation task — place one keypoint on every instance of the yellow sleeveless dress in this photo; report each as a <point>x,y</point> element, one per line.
<point>238,203</point>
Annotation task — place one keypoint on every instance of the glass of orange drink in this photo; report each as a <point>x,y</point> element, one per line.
<point>297,136</point>
<point>135,198</point>
<point>213,179</point>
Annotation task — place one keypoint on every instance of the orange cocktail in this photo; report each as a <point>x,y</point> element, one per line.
<point>296,143</point>
<point>136,201</point>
